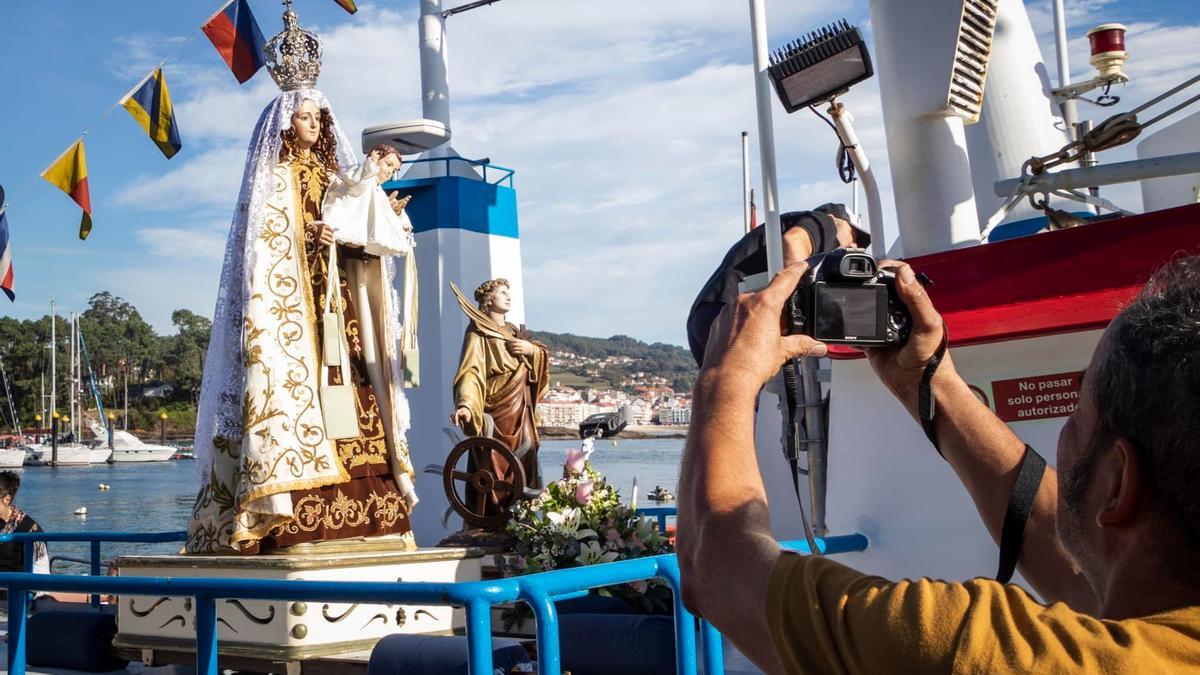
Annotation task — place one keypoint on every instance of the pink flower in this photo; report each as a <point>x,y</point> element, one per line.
<point>583,491</point>
<point>613,537</point>
<point>576,460</point>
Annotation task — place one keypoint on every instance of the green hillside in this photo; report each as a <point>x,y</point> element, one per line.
<point>617,360</point>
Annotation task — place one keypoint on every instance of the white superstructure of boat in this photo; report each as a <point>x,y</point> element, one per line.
<point>73,454</point>
<point>130,448</point>
<point>11,458</point>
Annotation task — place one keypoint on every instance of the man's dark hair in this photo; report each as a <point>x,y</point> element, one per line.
<point>10,482</point>
<point>1147,390</point>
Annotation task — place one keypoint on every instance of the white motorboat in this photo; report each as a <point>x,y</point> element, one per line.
<point>130,448</point>
<point>69,454</point>
<point>11,458</point>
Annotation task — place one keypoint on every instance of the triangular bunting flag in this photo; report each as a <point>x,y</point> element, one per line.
<point>235,34</point>
<point>69,174</point>
<point>150,105</point>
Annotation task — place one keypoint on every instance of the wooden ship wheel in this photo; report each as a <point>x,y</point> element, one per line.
<point>477,485</point>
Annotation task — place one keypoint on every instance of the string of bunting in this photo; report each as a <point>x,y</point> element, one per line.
<point>237,38</point>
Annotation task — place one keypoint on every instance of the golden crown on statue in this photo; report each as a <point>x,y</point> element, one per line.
<point>294,55</point>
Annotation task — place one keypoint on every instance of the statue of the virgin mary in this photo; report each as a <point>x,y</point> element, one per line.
<point>272,475</point>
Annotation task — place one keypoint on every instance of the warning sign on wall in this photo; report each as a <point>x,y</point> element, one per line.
<point>1036,397</point>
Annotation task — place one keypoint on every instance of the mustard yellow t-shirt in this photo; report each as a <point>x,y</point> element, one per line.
<point>828,618</point>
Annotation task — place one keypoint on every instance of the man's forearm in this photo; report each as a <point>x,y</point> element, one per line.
<point>987,456</point>
<point>726,551</point>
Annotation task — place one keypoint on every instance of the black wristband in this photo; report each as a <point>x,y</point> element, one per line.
<point>926,408</point>
<point>1016,517</point>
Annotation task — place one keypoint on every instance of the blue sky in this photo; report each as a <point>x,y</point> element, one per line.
<point>621,117</point>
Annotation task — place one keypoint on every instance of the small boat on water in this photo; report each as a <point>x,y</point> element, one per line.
<point>69,454</point>
<point>11,458</point>
<point>660,494</point>
<point>605,425</point>
<point>130,448</point>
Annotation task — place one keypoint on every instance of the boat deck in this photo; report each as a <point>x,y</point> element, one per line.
<point>352,663</point>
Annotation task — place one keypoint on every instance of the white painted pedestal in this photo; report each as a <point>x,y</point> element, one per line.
<point>286,630</point>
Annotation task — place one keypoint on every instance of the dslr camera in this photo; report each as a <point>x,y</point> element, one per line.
<point>844,298</point>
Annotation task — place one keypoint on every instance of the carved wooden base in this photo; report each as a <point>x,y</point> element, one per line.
<point>292,630</point>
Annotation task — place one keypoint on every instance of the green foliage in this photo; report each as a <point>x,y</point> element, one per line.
<point>119,345</point>
<point>671,362</point>
<point>579,520</point>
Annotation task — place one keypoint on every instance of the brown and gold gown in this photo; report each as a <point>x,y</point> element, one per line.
<point>369,504</point>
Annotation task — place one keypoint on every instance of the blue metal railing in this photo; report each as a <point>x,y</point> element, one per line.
<point>661,513</point>
<point>539,591</point>
<point>93,538</point>
<point>506,173</point>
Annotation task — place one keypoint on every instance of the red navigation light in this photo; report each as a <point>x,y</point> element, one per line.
<point>1108,48</point>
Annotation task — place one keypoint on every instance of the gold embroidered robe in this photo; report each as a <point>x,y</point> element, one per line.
<point>283,482</point>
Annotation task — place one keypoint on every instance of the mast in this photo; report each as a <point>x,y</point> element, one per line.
<point>435,85</point>
<point>12,408</point>
<point>53,361</point>
<point>71,386</point>
<point>746,224</point>
<point>766,137</point>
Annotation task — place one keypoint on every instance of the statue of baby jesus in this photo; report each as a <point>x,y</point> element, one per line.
<point>361,214</point>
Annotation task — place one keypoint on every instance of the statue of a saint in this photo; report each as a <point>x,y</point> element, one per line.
<point>501,376</point>
<point>272,477</point>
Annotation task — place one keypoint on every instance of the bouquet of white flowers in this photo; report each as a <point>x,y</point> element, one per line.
<point>579,520</point>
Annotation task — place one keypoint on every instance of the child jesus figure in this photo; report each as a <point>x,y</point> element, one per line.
<point>362,214</point>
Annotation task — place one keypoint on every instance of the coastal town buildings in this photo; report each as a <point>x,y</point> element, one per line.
<point>565,406</point>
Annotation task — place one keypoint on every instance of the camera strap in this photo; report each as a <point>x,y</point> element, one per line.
<point>925,403</point>
<point>1016,517</point>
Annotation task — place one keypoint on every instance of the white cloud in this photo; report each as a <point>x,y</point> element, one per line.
<point>192,243</point>
<point>211,178</point>
<point>622,119</point>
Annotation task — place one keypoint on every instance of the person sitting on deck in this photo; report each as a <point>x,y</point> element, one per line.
<point>12,554</point>
<point>1113,540</point>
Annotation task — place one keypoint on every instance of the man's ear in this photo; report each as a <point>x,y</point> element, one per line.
<point>1124,484</point>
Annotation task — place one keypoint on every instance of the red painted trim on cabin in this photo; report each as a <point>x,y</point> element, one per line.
<point>1057,282</point>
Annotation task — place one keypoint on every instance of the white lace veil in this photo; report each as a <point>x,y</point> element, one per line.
<point>221,391</point>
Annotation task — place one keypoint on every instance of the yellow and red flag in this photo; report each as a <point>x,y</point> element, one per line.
<point>69,174</point>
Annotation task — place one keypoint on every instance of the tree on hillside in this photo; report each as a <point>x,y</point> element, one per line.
<point>118,337</point>
<point>186,350</point>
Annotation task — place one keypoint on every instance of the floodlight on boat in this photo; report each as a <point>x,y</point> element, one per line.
<point>409,137</point>
<point>820,66</point>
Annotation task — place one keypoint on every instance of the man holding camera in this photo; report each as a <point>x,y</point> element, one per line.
<point>1112,539</point>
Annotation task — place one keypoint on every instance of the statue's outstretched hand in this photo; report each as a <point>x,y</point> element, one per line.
<point>398,204</point>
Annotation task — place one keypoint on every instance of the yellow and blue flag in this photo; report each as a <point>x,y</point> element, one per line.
<point>150,105</point>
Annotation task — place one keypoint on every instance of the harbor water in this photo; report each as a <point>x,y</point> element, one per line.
<point>157,496</point>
